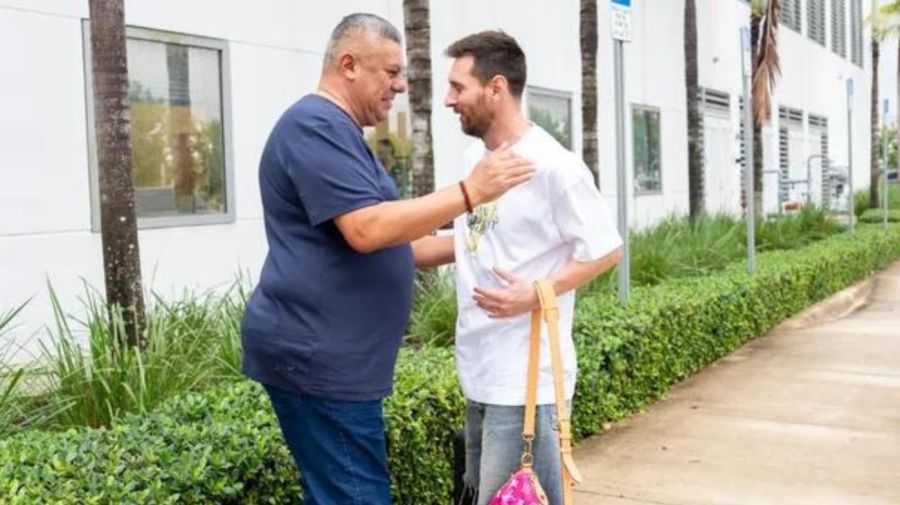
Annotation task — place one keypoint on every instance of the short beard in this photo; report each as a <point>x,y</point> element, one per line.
<point>480,121</point>
<point>476,129</point>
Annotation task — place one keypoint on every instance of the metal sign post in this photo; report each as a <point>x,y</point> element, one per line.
<point>851,210</point>
<point>746,66</point>
<point>621,33</point>
<point>884,161</point>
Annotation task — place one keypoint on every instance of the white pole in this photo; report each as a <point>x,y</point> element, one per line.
<point>748,150</point>
<point>851,211</point>
<point>621,174</point>
<point>884,162</point>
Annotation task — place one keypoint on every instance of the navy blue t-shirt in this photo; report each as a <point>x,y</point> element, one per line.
<point>324,320</point>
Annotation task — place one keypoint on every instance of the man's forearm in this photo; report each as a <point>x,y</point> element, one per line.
<point>393,223</point>
<point>432,251</point>
<point>578,273</point>
<point>389,224</point>
<point>519,296</point>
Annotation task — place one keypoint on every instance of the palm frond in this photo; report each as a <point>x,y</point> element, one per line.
<point>885,21</point>
<point>757,7</point>
<point>891,8</point>
<point>767,65</point>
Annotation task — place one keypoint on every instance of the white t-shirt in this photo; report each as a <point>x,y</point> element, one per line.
<point>532,231</point>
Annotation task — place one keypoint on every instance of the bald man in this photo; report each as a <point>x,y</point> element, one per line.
<point>323,327</point>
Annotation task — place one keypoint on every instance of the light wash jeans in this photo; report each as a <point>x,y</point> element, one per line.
<point>494,448</point>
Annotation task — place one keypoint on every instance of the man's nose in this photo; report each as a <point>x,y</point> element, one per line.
<point>400,85</point>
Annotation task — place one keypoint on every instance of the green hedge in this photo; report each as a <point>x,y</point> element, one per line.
<point>224,446</point>
<point>877,216</point>
<point>630,355</point>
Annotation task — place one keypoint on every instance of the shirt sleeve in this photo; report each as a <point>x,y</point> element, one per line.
<point>331,169</point>
<point>581,214</point>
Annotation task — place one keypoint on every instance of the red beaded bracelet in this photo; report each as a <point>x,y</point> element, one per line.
<point>462,186</point>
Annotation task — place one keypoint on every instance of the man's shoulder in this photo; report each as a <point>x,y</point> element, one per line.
<point>550,148</point>
<point>315,112</point>
<point>555,160</point>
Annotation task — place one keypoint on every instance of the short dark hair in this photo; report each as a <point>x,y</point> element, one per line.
<point>494,53</point>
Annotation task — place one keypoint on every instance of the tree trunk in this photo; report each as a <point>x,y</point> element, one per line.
<point>694,125</point>
<point>755,19</point>
<point>589,149</point>
<point>418,53</point>
<point>873,125</point>
<point>121,257</point>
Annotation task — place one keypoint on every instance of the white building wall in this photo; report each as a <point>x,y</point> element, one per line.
<point>275,49</point>
<point>654,76</point>
<point>547,32</point>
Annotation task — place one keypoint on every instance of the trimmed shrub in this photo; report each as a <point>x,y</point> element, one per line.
<point>224,446</point>
<point>876,216</point>
<point>629,355</point>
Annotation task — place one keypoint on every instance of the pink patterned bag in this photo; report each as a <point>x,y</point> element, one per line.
<point>523,487</point>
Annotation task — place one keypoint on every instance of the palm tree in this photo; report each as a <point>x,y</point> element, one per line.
<point>891,15</point>
<point>764,15</point>
<point>589,150</point>
<point>877,23</point>
<point>885,22</point>
<point>418,52</point>
<point>118,227</point>
<point>691,78</point>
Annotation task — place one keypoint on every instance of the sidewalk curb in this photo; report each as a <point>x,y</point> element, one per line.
<point>834,307</point>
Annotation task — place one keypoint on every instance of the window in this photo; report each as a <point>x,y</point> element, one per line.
<point>790,14</point>
<point>819,125</point>
<point>552,111</point>
<point>715,101</point>
<point>789,120</point>
<point>856,33</point>
<point>181,167</point>
<point>816,24</point>
<point>646,149</point>
<point>712,103</point>
<point>839,27</point>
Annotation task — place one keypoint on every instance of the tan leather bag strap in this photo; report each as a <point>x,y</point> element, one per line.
<point>534,354</point>
<point>549,309</point>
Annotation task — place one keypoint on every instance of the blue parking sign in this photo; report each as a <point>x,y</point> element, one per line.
<point>623,3</point>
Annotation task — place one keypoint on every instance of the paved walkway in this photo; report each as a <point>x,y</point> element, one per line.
<point>808,416</point>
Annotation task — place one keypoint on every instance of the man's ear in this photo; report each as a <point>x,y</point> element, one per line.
<point>498,86</point>
<point>348,65</point>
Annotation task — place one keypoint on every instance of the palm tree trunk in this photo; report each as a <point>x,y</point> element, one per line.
<point>418,52</point>
<point>589,149</point>
<point>121,257</point>
<point>873,125</point>
<point>695,147</point>
<point>755,18</point>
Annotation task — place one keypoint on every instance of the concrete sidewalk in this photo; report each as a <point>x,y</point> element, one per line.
<point>799,416</point>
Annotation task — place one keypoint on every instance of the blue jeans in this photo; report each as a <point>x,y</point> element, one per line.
<point>494,448</point>
<point>338,446</point>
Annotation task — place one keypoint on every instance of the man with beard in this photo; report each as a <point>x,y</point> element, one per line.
<point>553,227</point>
<point>322,329</point>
